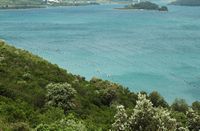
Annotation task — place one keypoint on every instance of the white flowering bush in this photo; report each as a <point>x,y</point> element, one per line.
<point>145,117</point>
<point>61,95</point>
<point>120,123</point>
<point>142,117</point>
<point>165,122</point>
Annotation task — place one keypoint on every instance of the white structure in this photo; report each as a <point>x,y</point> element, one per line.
<point>136,1</point>
<point>52,1</point>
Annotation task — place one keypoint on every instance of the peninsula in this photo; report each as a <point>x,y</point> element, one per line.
<point>145,6</point>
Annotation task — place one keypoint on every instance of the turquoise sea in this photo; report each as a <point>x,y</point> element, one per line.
<point>142,50</point>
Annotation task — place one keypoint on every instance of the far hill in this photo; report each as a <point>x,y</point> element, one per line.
<point>186,2</point>
<point>23,4</point>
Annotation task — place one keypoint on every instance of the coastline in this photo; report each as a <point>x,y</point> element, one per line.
<point>5,7</point>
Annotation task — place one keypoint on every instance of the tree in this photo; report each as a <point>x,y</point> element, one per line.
<point>120,123</point>
<point>179,105</point>
<point>193,120</point>
<point>61,95</point>
<point>142,116</point>
<point>107,96</point>
<point>196,105</point>
<point>165,122</point>
<point>145,117</point>
<point>157,99</point>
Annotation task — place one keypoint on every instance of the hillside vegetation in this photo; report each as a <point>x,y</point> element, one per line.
<point>146,6</point>
<point>38,95</point>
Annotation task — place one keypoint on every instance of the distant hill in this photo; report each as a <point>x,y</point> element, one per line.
<point>21,2</point>
<point>186,2</point>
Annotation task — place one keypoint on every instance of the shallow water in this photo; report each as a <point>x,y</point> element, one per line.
<point>143,50</point>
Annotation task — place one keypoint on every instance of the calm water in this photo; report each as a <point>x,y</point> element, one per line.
<point>139,49</point>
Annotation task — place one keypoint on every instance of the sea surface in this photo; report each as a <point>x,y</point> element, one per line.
<point>142,50</point>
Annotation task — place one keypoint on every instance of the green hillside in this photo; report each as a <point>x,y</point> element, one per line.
<point>38,95</point>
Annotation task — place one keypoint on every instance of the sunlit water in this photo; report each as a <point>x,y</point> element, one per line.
<point>142,50</point>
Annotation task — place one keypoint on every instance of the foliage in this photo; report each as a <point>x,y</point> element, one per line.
<point>145,117</point>
<point>147,6</point>
<point>23,4</point>
<point>179,105</point>
<point>196,106</point>
<point>70,123</point>
<point>165,122</point>
<point>50,115</point>
<point>121,117</point>
<point>20,126</point>
<point>61,95</point>
<point>180,117</point>
<point>157,100</point>
<point>142,116</point>
<point>193,120</point>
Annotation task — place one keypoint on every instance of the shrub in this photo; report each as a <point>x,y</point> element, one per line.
<point>70,123</point>
<point>120,123</point>
<point>196,106</point>
<point>193,120</point>
<point>157,99</point>
<point>61,95</point>
<point>179,105</point>
<point>107,96</point>
<point>20,126</point>
<point>144,118</point>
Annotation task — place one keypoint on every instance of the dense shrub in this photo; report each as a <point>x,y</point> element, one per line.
<point>144,118</point>
<point>193,122</point>
<point>70,123</point>
<point>196,106</point>
<point>179,105</point>
<point>157,99</point>
<point>121,123</point>
<point>61,95</point>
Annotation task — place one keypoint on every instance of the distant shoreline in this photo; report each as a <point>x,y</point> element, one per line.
<point>137,9</point>
<point>4,7</point>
